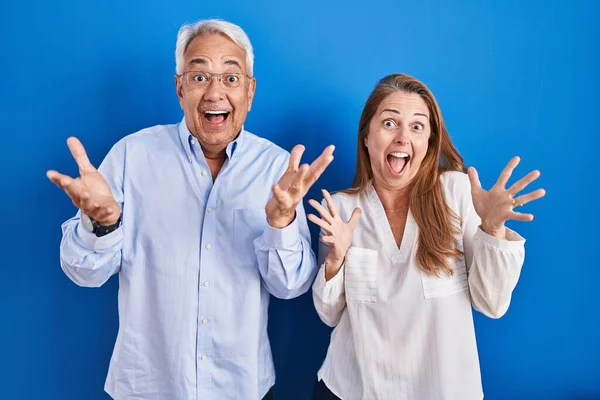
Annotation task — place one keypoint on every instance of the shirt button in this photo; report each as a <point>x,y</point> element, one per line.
<point>206,284</point>
<point>190,159</point>
<point>193,141</point>
<point>204,321</point>
<point>208,209</point>
<point>203,358</point>
<point>203,173</point>
<point>207,246</point>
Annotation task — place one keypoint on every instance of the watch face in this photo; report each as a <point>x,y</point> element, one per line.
<point>87,222</point>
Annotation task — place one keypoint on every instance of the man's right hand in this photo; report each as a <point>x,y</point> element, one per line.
<point>90,192</point>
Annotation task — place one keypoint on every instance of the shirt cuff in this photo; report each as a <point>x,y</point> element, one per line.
<point>334,285</point>
<point>284,238</point>
<point>93,242</point>
<point>513,239</point>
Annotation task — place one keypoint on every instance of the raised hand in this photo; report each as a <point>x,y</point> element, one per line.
<point>496,206</point>
<point>89,192</point>
<point>293,186</point>
<point>339,232</point>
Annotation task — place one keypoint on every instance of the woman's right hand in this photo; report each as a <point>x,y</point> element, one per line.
<point>90,192</point>
<point>339,233</point>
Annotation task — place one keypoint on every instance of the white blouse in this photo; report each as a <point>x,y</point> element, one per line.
<point>400,333</point>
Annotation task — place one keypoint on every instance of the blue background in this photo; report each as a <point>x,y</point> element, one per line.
<point>512,78</point>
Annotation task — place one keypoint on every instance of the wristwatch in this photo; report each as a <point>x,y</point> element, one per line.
<point>99,230</point>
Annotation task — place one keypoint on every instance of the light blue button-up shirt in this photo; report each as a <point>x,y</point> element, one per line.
<point>196,261</point>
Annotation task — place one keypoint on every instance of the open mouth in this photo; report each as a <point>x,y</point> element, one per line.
<point>216,117</point>
<point>398,162</point>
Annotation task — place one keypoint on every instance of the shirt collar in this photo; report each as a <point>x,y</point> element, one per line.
<point>186,141</point>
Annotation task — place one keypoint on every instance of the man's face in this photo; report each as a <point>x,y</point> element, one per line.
<point>215,111</point>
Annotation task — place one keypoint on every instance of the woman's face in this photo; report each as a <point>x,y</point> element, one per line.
<point>398,139</point>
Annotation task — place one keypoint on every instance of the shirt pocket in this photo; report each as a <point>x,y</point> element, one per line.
<point>444,285</point>
<point>360,275</point>
<point>248,225</point>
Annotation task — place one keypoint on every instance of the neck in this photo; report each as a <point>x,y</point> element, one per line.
<point>215,157</point>
<point>393,199</point>
<point>213,152</point>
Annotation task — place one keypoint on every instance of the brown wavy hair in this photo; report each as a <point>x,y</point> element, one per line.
<point>436,221</point>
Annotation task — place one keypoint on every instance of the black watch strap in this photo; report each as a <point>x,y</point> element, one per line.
<point>101,230</point>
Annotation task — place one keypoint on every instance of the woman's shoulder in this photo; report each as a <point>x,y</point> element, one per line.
<point>346,200</point>
<point>454,178</point>
<point>457,190</point>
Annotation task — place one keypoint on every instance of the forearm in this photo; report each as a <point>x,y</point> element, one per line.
<point>286,262</point>
<point>86,259</point>
<point>495,271</point>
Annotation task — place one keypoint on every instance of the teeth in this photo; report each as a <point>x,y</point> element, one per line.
<point>215,112</point>
<point>399,154</point>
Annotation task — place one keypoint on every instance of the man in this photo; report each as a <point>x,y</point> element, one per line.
<point>201,220</point>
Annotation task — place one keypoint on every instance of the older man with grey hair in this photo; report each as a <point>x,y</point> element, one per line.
<point>203,221</point>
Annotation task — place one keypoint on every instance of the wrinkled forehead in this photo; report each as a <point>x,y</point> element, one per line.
<point>404,104</point>
<point>215,51</point>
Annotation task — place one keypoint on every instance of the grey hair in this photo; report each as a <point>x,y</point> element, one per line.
<point>189,32</point>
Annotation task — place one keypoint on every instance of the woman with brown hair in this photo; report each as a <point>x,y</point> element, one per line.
<point>398,281</point>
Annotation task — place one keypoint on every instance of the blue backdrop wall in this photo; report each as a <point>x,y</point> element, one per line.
<point>512,78</point>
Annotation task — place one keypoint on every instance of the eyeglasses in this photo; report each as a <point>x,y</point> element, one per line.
<point>201,79</point>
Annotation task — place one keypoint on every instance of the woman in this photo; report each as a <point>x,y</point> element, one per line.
<point>398,282</point>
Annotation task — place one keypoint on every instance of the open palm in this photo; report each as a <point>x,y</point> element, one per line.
<point>89,192</point>
<point>496,206</point>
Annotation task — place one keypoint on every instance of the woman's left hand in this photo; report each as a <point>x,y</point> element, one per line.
<point>496,206</point>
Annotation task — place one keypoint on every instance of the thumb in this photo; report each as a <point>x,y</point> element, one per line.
<point>354,218</point>
<point>474,179</point>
